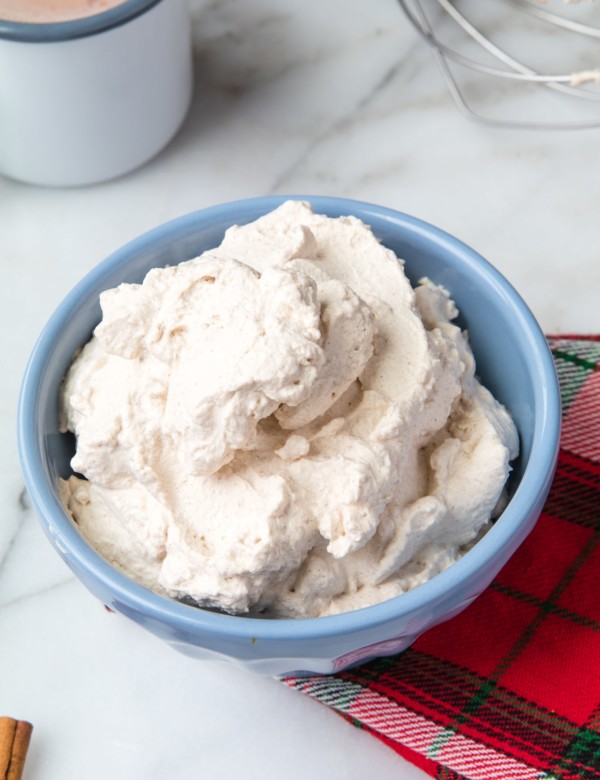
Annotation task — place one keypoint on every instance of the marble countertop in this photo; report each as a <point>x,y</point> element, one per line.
<point>335,98</point>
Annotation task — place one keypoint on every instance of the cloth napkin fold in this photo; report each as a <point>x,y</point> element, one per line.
<point>510,688</point>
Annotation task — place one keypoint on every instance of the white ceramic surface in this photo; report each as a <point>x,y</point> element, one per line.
<point>87,109</point>
<point>332,98</point>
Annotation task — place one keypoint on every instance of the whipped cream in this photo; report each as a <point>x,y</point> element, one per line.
<point>283,425</point>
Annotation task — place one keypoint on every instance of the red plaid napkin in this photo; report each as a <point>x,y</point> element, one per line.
<point>510,688</point>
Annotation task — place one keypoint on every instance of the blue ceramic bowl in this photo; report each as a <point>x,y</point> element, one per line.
<point>513,360</point>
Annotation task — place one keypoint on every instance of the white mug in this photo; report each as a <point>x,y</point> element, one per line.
<point>89,99</point>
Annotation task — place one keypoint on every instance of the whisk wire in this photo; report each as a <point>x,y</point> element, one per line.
<point>532,8</point>
<point>514,69</point>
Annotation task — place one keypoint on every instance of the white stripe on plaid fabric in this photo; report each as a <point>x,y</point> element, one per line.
<point>461,754</point>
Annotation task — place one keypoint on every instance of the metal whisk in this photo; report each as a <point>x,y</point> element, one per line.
<point>460,36</point>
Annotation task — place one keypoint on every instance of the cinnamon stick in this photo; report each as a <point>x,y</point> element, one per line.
<point>8,727</point>
<point>14,742</point>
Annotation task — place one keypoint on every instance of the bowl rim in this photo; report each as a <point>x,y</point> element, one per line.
<point>508,531</point>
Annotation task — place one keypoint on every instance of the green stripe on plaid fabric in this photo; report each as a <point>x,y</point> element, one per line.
<point>571,376</point>
<point>440,741</point>
<point>575,359</point>
<point>576,349</point>
<point>584,752</point>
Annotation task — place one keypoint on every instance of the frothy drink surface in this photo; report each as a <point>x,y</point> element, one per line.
<point>40,11</point>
